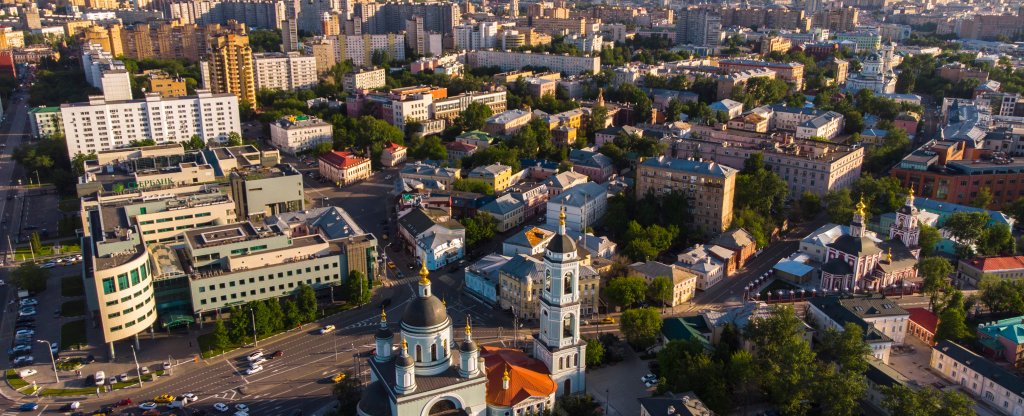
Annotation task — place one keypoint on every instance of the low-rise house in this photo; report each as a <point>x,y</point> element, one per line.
<point>740,242</point>
<point>498,176</point>
<point>431,235</point>
<point>1003,340</point>
<point>922,324</point>
<point>584,205</point>
<point>684,283</point>
<point>596,166</point>
<point>686,328</point>
<point>563,181</point>
<point>1001,389</point>
<point>969,272</point>
<point>458,150</point>
<point>685,404</point>
<point>534,196</point>
<point>530,241</point>
<point>296,134</point>
<point>879,375</point>
<point>730,107</point>
<point>476,138</point>
<point>482,277</point>
<point>521,279</point>
<point>507,210</point>
<point>883,321</point>
<point>508,123</point>
<point>699,261</point>
<point>425,172</point>
<point>393,155</point>
<point>344,168</point>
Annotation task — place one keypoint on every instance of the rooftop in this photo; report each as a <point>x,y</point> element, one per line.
<point>692,166</point>
<point>986,368</point>
<point>997,263</point>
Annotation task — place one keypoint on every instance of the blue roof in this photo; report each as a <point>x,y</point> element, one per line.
<point>874,133</point>
<point>794,268</point>
<point>945,209</point>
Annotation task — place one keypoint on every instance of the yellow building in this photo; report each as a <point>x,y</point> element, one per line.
<point>498,176</point>
<point>230,65</point>
<point>108,38</point>
<point>167,87</point>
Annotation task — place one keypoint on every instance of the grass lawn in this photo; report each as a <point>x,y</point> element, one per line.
<point>71,286</point>
<point>72,334</point>
<point>70,246</point>
<point>15,380</point>
<point>69,392</point>
<point>73,308</point>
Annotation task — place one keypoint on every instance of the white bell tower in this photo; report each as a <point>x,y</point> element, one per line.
<point>558,344</point>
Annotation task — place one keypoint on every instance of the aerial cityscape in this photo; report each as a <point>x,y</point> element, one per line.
<point>512,207</point>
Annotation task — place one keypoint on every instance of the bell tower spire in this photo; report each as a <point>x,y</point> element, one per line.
<point>424,287</point>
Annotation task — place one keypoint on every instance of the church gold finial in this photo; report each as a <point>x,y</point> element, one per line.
<point>444,301</point>
<point>383,315</point>
<point>469,329</point>
<point>890,255</point>
<point>561,216</point>
<point>405,345</point>
<point>505,376</point>
<point>911,190</point>
<point>424,280</point>
<point>861,206</point>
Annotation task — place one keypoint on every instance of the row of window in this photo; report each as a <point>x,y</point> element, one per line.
<point>263,290</point>
<point>252,280</point>
<point>132,323</point>
<point>134,277</point>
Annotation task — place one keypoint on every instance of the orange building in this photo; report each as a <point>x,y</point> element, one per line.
<point>516,383</point>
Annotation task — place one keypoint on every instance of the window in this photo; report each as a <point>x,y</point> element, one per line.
<point>135,276</point>
<point>122,281</point>
<point>108,286</point>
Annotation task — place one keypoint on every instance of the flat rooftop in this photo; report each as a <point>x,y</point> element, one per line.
<point>221,234</point>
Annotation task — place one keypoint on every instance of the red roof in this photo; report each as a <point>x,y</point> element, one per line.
<point>986,264</point>
<point>924,318</point>
<point>528,377</point>
<point>460,147</point>
<point>341,159</point>
<point>393,147</point>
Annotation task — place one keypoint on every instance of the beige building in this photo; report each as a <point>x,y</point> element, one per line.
<point>422,171</point>
<point>284,71</point>
<point>344,168</point>
<point>709,185</point>
<point>296,134</point>
<point>393,155</point>
<point>522,277</point>
<point>323,52</point>
<point>507,61</point>
<point>508,123</point>
<point>229,66</point>
<point>684,283</point>
<point>364,79</point>
<point>163,84</point>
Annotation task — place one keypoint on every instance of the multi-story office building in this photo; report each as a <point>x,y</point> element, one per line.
<point>45,122</point>
<point>508,61</point>
<point>100,125</point>
<point>260,192</point>
<point>284,71</point>
<point>364,79</point>
<point>709,185</point>
<point>295,134</point>
<point>949,171</point>
<point>229,66</point>
<point>806,166</point>
<point>449,108</point>
<point>699,26</point>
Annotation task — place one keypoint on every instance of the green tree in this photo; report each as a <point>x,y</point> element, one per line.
<point>195,143</point>
<point>262,316</point>
<point>239,326</point>
<point>983,199</point>
<point>479,228</point>
<point>810,204</point>
<point>928,238</point>
<point>996,239</point>
<point>640,327</point>
<point>292,316</point>
<point>234,139</point>
<point>473,117</point>
<point>428,148</point>
<point>595,353</point>
<point>307,303</point>
<point>348,392</point>
<point>784,359</point>
<point>576,405</point>
<point>36,243</point>
<point>645,243</point>
<point>927,401</point>
<point>660,290</point>
<point>142,142</point>
<point>934,271</point>
<point>839,392</point>
<point>473,185</point>
<point>1001,295</point>
<point>323,147</point>
<point>626,291</point>
<point>358,289</point>
<point>275,321</point>
<point>966,228</point>
<point>30,277</point>
<point>847,348</point>
<point>598,119</point>
<point>952,319</point>
<point>220,337</point>
<point>758,188</point>
<point>1016,209</point>
<point>839,206</point>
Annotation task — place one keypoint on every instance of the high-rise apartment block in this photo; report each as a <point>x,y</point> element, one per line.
<point>364,79</point>
<point>229,65</point>
<point>284,71</point>
<point>253,13</point>
<point>699,26</point>
<point>708,185</point>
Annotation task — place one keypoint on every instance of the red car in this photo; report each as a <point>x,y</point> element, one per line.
<point>277,354</point>
<point>123,402</point>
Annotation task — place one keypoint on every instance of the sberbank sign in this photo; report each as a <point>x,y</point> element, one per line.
<point>149,184</point>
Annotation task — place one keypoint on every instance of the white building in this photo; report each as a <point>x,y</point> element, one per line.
<point>883,321</point>
<point>584,205</point>
<point>700,261</point>
<point>1001,389</point>
<point>296,134</point>
<point>827,125</point>
<point>414,108</point>
<point>104,72</point>
<point>509,61</point>
<point>364,79</point>
<point>483,35</point>
<point>99,125</point>
<point>284,71</point>
<point>45,122</point>
<point>588,44</point>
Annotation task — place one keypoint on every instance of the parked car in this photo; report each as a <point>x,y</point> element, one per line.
<point>191,397</point>
<point>242,407</point>
<point>147,406</point>
<point>163,398</point>
<point>24,360</point>
<point>48,265</point>
<point>123,402</point>
<point>221,407</point>
<point>27,311</point>
<point>123,377</point>
<point>28,407</point>
<point>28,332</point>
<point>29,302</point>
<point>100,377</point>
<point>166,365</point>
<point>338,377</point>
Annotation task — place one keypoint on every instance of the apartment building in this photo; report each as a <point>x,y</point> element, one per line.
<point>883,321</point>
<point>449,108</point>
<point>295,134</point>
<point>104,72</point>
<point>837,20</point>
<point>698,26</point>
<point>827,126</point>
<point>45,122</point>
<point>284,71</point>
<point>229,66</point>
<point>521,279</point>
<point>988,382</point>
<point>344,168</point>
<point>423,172</point>
<point>254,13</point>
<point>508,61</point>
<point>160,39</point>
<point>260,192</point>
<point>507,210</point>
<point>360,48</point>
<point>806,166</point>
<point>865,41</point>
<point>162,83</point>
<point>684,283</point>
<point>584,205</point>
<point>765,18</point>
<point>508,123</point>
<point>791,72</point>
<point>99,125</point>
<point>498,176</point>
<point>729,82</point>
<point>709,185</point>
<point>323,51</point>
<point>360,79</point>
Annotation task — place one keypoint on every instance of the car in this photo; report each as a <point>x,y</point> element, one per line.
<point>25,332</point>
<point>391,265</point>
<point>327,329</point>
<point>651,383</point>
<point>258,361</point>
<point>29,302</point>
<point>27,311</point>
<point>100,377</point>
<point>67,407</point>
<point>253,370</point>
<point>221,407</point>
<point>122,377</point>
<point>191,397</point>
<point>241,407</point>
<point>276,354</point>
<point>254,356</point>
<point>20,348</point>
<point>123,402</point>
<point>608,320</point>
<point>48,265</point>
<point>648,377</point>
<point>54,348</point>
<point>24,360</point>
<point>241,413</point>
<point>338,377</point>
<point>147,406</point>
<point>28,407</point>
<point>163,398</point>
<point>166,365</point>
<point>144,371</point>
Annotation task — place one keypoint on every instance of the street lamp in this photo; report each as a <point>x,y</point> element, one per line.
<point>138,370</point>
<point>49,349</point>
<point>255,342</point>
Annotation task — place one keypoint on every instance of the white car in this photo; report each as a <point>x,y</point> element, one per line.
<point>48,265</point>
<point>29,311</point>
<point>75,405</point>
<point>255,356</point>
<point>241,413</point>
<point>258,361</point>
<point>241,407</point>
<point>26,373</point>
<point>147,406</point>
<point>24,332</point>
<point>253,370</point>
<point>29,302</point>
<point>190,397</point>
<point>327,329</point>
<point>221,407</point>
